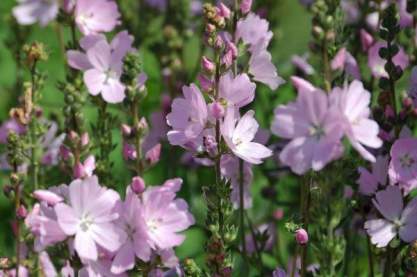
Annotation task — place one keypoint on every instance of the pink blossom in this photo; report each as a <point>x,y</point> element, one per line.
<point>152,223</point>
<point>376,63</point>
<point>314,129</point>
<point>230,170</point>
<point>397,219</point>
<point>370,181</point>
<point>102,64</point>
<point>239,135</point>
<point>238,91</point>
<point>90,217</point>
<point>96,16</point>
<point>47,196</point>
<point>188,117</point>
<point>31,11</point>
<point>353,101</point>
<point>216,110</point>
<point>403,165</point>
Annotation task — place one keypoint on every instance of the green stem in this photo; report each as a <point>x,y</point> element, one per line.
<point>17,206</point>
<point>242,209</point>
<point>305,206</point>
<point>388,263</point>
<point>326,66</point>
<point>370,258</point>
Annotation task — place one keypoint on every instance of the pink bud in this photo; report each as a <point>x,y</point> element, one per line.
<point>78,170</point>
<point>301,236</point>
<point>224,11</point>
<point>227,58</point>
<point>245,6</point>
<point>85,139</point>
<point>210,28</point>
<point>73,136</point>
<point>21,212</point>
<point>389,112</point>
<point>129,152</point>
<point>205,83</point>
<point>47,196</point>
<point>207,65</point>
<point>339,60</point>
<point>142,125</point>
<point>384,135</point>
<point>302,85</point>
<point>64,152</point>
<point>278,214</point>
<point>408,102</point>
<point>126,130</point>
<point>233,49</point>
<point>366,40</point>
<point>153,154</point>
<point>216,110</point>
<point>219,43</point>
<point>137,185</point>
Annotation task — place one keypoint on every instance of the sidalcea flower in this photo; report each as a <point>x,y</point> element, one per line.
<point>188,117</point>
<point>370,181</point>
<point>162,217</point>
<point>96,16</point>
<point>239,135</point>
<point>254,31</point>
<point>230,169</point>
<point>237,91</point>
<point>86,169</point>
<point>314,129</point>
<point>397,219</point>
<point>31,11</point>
<point>403,165</point>
<point>353,101</point>
<point>376,63</point>
<point>102,64</point>
<point>90,216</point>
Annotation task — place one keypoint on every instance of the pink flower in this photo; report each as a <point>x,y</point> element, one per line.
<point>162,216</point>
<point>96,16</point>
<point>369,182</point>
<point>403,165</point>
<point>314,127</point>
<point>188,117</point>
<point>238,91</point>
<point>230,170</point>
<point>30,11</point>
<point>90,217</point>
<point>376,63</point>
<point>239,135</point>
<point>353,101</point>
<point>346,62</point>
<point>102,64</point>
<point>397,220</point>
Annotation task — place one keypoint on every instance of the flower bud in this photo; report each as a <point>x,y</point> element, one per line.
<point>137,185</point>
<point>205,83</point>
<point>126,130</point>
<point>73,136</point>
<point>78,170</point>
<point>85,139</point>
<point>216,110</point>
<point>64,152</point>
<point>129,152</point>
<point>224,11</point>
<point>245,6</point>
<point>153,154</point>
<point>233,49</point>
<point>366,40</point>
<point>68,6</point>
<point>21,212</point>
<point>208,65</point>
<point>278,214</point>
<point>47,196</point>
<point>407,102</point>
<point>301,236</point>
<point>142,126</point>
<point>210,28</point>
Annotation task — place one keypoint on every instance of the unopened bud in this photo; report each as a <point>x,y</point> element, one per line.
<point>224,11</point>
<point>301,236</point>
<point>205,83</point>
<point>208,65</point>
<point>245,6</point>
<point>85,139</point>
<point>216,110</point>
<point>137,185</point>
<point>126,130</point>
<point>21,212</point>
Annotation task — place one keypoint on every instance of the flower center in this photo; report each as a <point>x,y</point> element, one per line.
<point>407,161</point>
<point>317,131</point>
<point>153,224</point>
<point>85,223</point>
<point>110,74</point>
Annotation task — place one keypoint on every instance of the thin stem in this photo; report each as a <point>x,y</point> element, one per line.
<point>253,234</point>
<point>138,139</point>
<point>370,258</point>
<point>17,206</point>
<point>305,206</point>
<point>242,209</point>
<point>326,67</point>
<point>388,263</point>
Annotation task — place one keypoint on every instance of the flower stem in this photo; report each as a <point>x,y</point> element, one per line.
<point>388,263</point>
<point>370,258</point>
<point>242,210</point>
<point>305,206</point>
